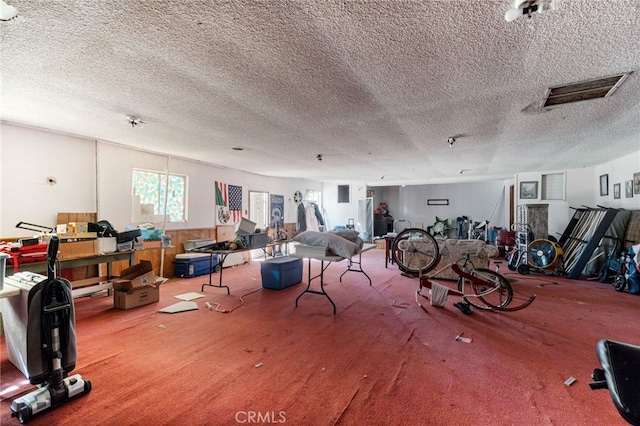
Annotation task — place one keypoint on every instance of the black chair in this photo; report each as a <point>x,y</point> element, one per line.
<point>620,374</point>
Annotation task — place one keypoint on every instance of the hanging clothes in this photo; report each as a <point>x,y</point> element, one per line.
<point>318,214</point>
<point>301,223</point>
<point>312,220</point>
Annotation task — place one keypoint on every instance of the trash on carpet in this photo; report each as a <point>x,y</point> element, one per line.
<point>179,307</point>
<point>189,296</point>
<point>459,338</point>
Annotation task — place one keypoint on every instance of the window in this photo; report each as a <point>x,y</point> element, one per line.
<point>553,186</point>
<point>151,187</point>
<point>343,193</point>
<point>313,196</point>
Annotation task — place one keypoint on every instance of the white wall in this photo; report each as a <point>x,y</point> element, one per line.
<point>478,201</point>
<point>619,171</point>
<point>96,177</point>
<point>28,158</point>
<point>338,214</point>
<point>583,189</point>
<point>579,193</point>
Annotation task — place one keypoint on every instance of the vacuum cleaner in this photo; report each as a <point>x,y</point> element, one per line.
<point>51,344</point>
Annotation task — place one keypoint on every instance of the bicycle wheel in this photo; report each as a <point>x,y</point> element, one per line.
<point>491,292</point>
<point>415,251</point>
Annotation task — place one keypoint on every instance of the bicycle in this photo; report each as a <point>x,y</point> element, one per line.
<point>478,287</point>
<point>518,255</point>
<point>416,251</point>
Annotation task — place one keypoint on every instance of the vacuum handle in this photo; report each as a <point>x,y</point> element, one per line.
<point>52,255</point>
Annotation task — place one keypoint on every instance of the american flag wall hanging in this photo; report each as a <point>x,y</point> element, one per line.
<point>228,203</point>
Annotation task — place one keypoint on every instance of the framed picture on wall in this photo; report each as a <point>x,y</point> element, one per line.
<point>528,190</point>
<point>604,185</point>
<point>636,183</point>
<point>628,189</point>
<point>616,190</point>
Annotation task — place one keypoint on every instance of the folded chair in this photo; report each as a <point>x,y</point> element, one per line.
<point>620,374</point>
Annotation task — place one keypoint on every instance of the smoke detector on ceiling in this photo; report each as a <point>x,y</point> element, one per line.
<point>527,7</point>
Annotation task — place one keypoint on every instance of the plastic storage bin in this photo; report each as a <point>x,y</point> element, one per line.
<point>281,272</point>
<point>188,265</point>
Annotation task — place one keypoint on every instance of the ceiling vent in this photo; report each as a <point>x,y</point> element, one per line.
<point>592,89</point>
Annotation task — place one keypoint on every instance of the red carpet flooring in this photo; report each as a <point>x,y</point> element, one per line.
<point>381,360</point>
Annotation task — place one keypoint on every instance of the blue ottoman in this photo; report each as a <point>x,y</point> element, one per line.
<point>281,272</point>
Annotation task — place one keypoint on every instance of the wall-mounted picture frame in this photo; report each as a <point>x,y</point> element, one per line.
<point>604,185</point>
<point>616,191</point>
<point>628,189</point>
<point>529,190</point>
<point>636,183</point>
<point>438,202</point>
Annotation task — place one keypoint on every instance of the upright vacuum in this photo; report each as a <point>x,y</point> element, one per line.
<point>51,344</point>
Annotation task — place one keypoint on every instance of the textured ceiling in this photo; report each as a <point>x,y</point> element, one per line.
<point>377,87</point>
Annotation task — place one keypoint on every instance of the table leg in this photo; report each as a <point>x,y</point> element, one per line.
<point>359,269</point>
<point>387,252</point>
<point>321,291</point>
<point>223,257</point>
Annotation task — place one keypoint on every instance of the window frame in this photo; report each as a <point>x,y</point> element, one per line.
<point>164,189</point>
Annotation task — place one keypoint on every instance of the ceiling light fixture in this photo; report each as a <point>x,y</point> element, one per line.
<point>461,171</point>
<point>7,12</point>
<point>450,141</point>
<point>319,157</point>
<point>527,7</point>
<point>136,122</point>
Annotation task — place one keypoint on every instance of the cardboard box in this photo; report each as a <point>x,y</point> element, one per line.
<point>151,244</point>
<point>225,233</point>
<point>75,249</point>
<point>139,297</point>
<point>136,286</point>
<point>136,276</point>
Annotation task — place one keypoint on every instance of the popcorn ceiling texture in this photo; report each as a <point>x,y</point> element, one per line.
<point>375,86</point>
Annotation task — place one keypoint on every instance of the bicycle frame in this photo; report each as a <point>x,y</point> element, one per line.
<point>487,289</point>
<point>482,283</point>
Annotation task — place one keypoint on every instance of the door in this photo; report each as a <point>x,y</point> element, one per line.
<point>365,219</point>
<point>258,209</point>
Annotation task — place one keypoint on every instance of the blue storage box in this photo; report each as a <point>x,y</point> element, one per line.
<point>189,265</point>
<point>281,272</point>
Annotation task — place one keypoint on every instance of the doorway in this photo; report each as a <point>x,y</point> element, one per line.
<point>259,209</point>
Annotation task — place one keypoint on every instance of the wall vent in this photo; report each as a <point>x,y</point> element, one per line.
<point>591,89</point>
